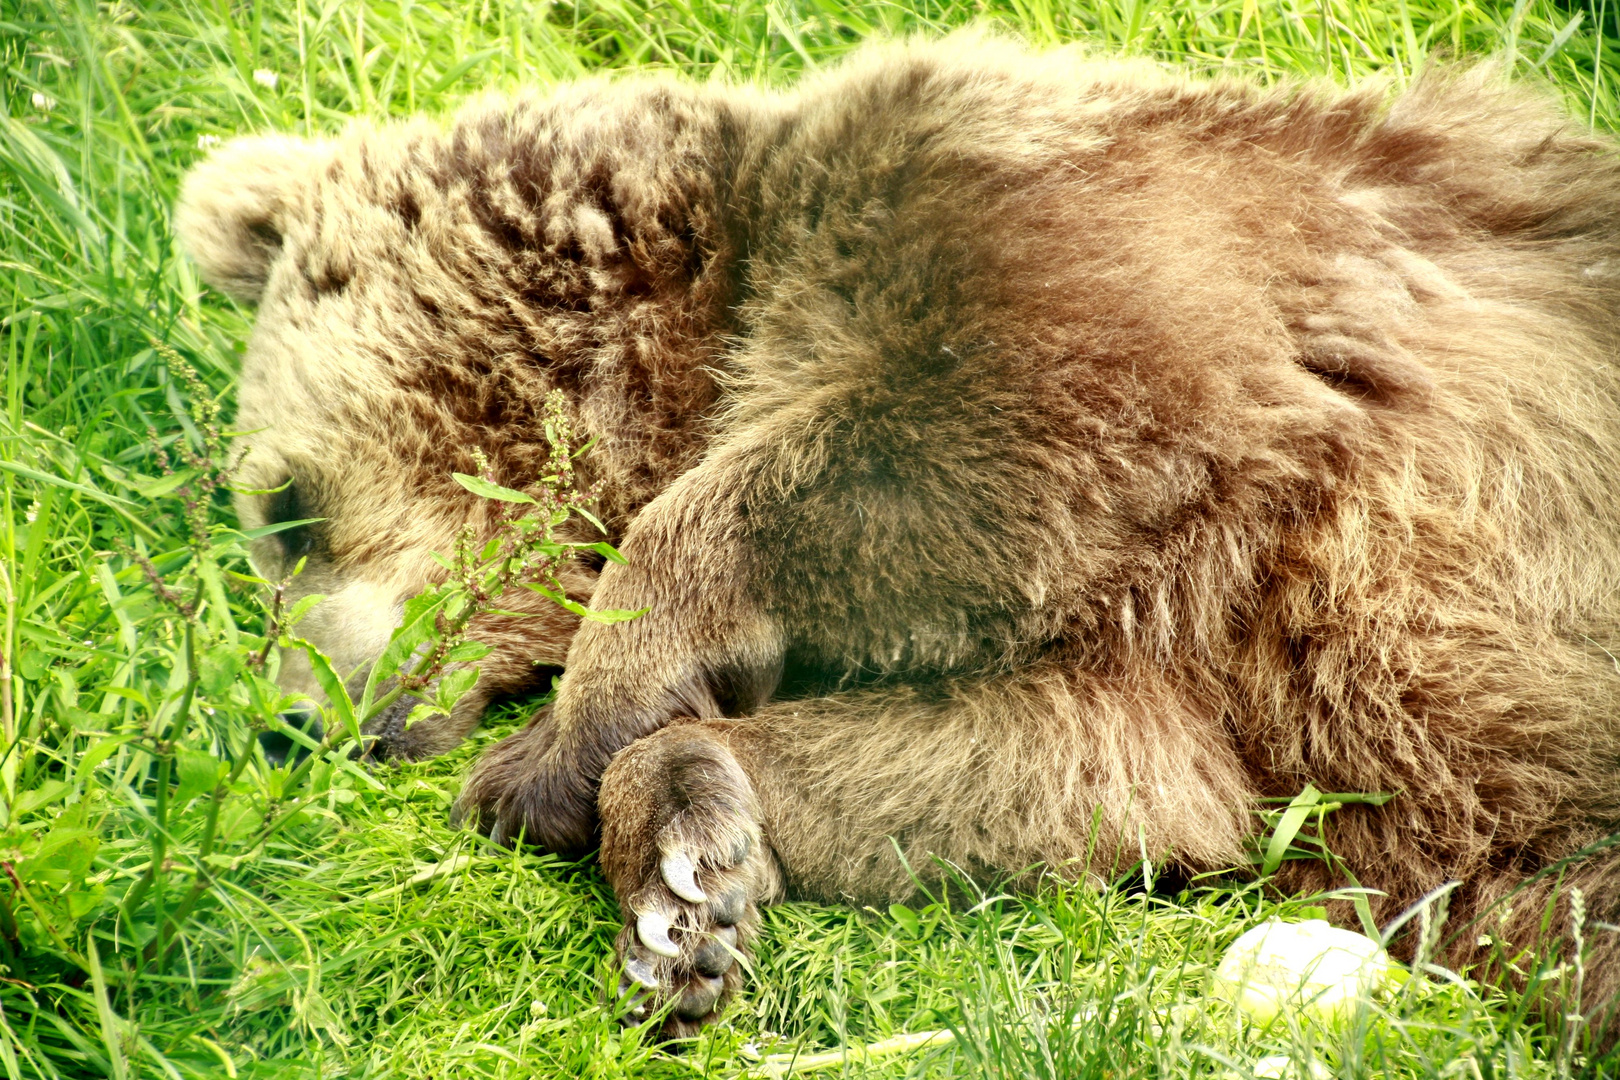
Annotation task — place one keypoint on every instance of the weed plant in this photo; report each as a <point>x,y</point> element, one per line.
<point>172,904</point>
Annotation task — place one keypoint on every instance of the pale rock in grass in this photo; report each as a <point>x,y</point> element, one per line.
<point>1284,1067</point>
<point>1314,968</point>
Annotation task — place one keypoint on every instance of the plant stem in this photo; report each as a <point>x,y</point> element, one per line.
<point>44,919</point>
<point>160,809</point>
<point>8,724</point>
<point>203,879</point>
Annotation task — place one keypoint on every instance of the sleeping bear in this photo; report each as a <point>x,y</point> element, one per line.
<point>1023,459</point>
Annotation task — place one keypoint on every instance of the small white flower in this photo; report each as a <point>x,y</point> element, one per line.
<point>1484,940</point>
<point>206,141</point>
<point>32,514</point>
<point>43,102</point>
<point>266,78</point>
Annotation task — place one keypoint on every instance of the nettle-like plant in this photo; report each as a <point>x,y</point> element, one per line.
<point>429,658</point>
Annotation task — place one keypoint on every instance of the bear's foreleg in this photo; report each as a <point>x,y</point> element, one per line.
<point>859,796</point>
<point>702,649</point>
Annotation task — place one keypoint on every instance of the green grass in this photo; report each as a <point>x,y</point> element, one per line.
<point>169,908</point>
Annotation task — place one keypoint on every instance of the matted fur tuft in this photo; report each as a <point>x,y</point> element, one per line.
<point>1023,458</point>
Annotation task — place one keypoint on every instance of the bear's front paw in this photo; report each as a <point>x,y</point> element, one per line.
<point>528,787</point>
<point>682,846</point>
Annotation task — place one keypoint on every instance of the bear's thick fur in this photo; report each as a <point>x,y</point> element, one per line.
<point>1021,457</point>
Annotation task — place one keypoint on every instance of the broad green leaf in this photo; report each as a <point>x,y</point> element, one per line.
<point>84,899</point>
<point>280,526</point>
<point>127,634</point>
<point>63,857</point>
<point>218,669</point>
<point>417,629</point>
<point>32,664</point>
<point>422,712</point>
<point>338,703</point>
<point>163,485</point>
<point>458,69</point>
<point>99,751</point>
<point>467,652</point>
<point>198,772</point>
<point>112,1027</point>
<point>68,686</point>
<point>301,608</point>
<point>491,490</point>
<point>1560,38</point>
<point>1375,798</point>
<point>44,795</point>
<point>604,549</point>
<point>452,685</point>
<point>615,615</point>
<point>415,606</point>
<point>1288,827</point>
<point>610,615</point>
<point>558,598</point>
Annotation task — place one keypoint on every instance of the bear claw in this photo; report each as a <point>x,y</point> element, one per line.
<point>653,929</point>
<point>681,877</point>
<point>638,972</point>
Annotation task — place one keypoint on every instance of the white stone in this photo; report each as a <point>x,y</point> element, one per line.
<point>1283,1067</point>
<point>1310,966</point>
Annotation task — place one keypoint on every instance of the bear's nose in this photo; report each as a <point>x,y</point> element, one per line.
<point>278,745</point>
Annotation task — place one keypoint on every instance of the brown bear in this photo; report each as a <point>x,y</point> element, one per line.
<point>1022,458</point>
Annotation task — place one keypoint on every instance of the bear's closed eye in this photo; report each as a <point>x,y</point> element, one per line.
<point>287,505</point>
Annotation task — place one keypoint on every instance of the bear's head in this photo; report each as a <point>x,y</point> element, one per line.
<point>274,221</point>
<point>421,289</point>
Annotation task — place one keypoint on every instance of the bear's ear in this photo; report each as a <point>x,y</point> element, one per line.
<point>235,206</point>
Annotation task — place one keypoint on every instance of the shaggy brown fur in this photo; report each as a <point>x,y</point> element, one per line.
<point>1004,445</point>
